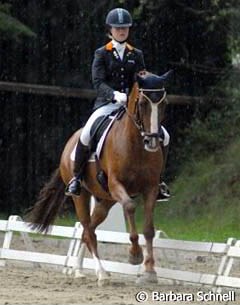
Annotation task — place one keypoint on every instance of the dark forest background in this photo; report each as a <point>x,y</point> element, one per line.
<point>52,43</point>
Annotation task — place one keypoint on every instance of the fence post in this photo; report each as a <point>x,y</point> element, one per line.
<point>7,239</point>
<point>73,250</point>
<point>226,262</point>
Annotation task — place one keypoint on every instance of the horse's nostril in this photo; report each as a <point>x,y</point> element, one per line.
<point>146,140</point>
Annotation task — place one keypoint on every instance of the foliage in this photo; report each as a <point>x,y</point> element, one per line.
<point>216,118</point>
<point>10,27</point>
<point>233,14</point>
<point>215,122</point>
<point>190,37</point>
<point>173,34</point>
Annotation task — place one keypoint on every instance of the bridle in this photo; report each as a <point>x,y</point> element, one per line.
<point>150,139</point>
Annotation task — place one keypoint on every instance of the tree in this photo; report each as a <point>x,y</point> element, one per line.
<point>10,27</point>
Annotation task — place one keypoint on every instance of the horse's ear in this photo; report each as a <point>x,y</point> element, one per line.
<point>162,80</point>
<point>167,76</point>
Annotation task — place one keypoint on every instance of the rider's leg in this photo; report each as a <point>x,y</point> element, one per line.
<point>81,157</point>
<point>83,150</point>
<point>163,188</point>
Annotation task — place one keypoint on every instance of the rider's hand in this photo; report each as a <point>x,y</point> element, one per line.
<point>120,97</point>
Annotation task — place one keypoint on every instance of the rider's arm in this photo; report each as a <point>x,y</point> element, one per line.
<point>99,77</point>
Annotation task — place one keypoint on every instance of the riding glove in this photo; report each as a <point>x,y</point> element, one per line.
<point>120,97</point>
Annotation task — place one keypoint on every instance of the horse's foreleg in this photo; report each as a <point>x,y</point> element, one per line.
<point>135,252</point>
<point>148,231</point>
<point>119,193</point>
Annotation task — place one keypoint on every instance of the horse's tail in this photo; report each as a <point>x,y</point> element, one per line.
<point>50,200</point>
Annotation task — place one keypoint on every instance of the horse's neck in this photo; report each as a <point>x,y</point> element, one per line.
<point>133,97</point>
<point>125,134</point>
<point>131,129</point>
<point>129,133</point>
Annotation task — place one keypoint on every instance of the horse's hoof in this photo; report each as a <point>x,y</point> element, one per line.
<point>67,271</point>
<point>135,259</point>
<point>79,275</point>
<point>103,282</point>
<point>103,278</point>
<point>147,278</point>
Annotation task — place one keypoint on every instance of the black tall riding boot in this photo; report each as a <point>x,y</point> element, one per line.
<point>81,157</point>
<point>164,192</point>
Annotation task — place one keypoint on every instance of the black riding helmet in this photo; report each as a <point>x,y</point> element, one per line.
<point>119,18</point>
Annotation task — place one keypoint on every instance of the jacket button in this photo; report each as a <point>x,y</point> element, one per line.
<point>122,69</point>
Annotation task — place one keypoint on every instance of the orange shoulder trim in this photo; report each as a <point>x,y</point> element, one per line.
<point>109,46</point>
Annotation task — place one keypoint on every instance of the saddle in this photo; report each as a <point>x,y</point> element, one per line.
<point>98,133</point>
<point>101,124</point>
<point>97,130</point>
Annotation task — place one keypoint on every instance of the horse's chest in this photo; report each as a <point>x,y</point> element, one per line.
<point>133,177</point>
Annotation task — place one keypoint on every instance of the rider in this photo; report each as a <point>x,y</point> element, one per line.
<point>113,74</point>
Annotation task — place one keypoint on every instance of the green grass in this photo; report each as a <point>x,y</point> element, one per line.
<point>202,227</point>
<point>68,221</point>
<point>206,202</point>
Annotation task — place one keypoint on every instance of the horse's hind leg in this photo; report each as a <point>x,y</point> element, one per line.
<point>99,214</point>
<point>82,207</point>
<point>119,193</point>
<point>89,224</point>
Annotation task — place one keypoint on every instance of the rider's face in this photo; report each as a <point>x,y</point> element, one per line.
<point>120,34</point>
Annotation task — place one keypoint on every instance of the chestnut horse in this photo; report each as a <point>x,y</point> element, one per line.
<point>132,160</point>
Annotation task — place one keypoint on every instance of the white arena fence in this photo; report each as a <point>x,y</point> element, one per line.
<point>74,258</point>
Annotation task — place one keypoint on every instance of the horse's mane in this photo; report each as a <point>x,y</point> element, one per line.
<point>134,92</point>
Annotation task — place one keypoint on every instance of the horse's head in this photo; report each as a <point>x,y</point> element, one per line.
<point>150,106</point>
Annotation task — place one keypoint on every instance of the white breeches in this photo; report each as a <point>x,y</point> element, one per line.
<point>106,110</point>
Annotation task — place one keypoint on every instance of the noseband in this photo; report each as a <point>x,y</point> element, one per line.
<point>150,139</point>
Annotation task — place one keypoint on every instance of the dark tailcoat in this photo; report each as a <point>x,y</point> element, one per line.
<point>110,73</point>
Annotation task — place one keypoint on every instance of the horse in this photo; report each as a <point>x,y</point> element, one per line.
<point>132,160</point>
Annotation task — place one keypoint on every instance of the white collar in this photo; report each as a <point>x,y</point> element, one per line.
<point>118,46</point>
